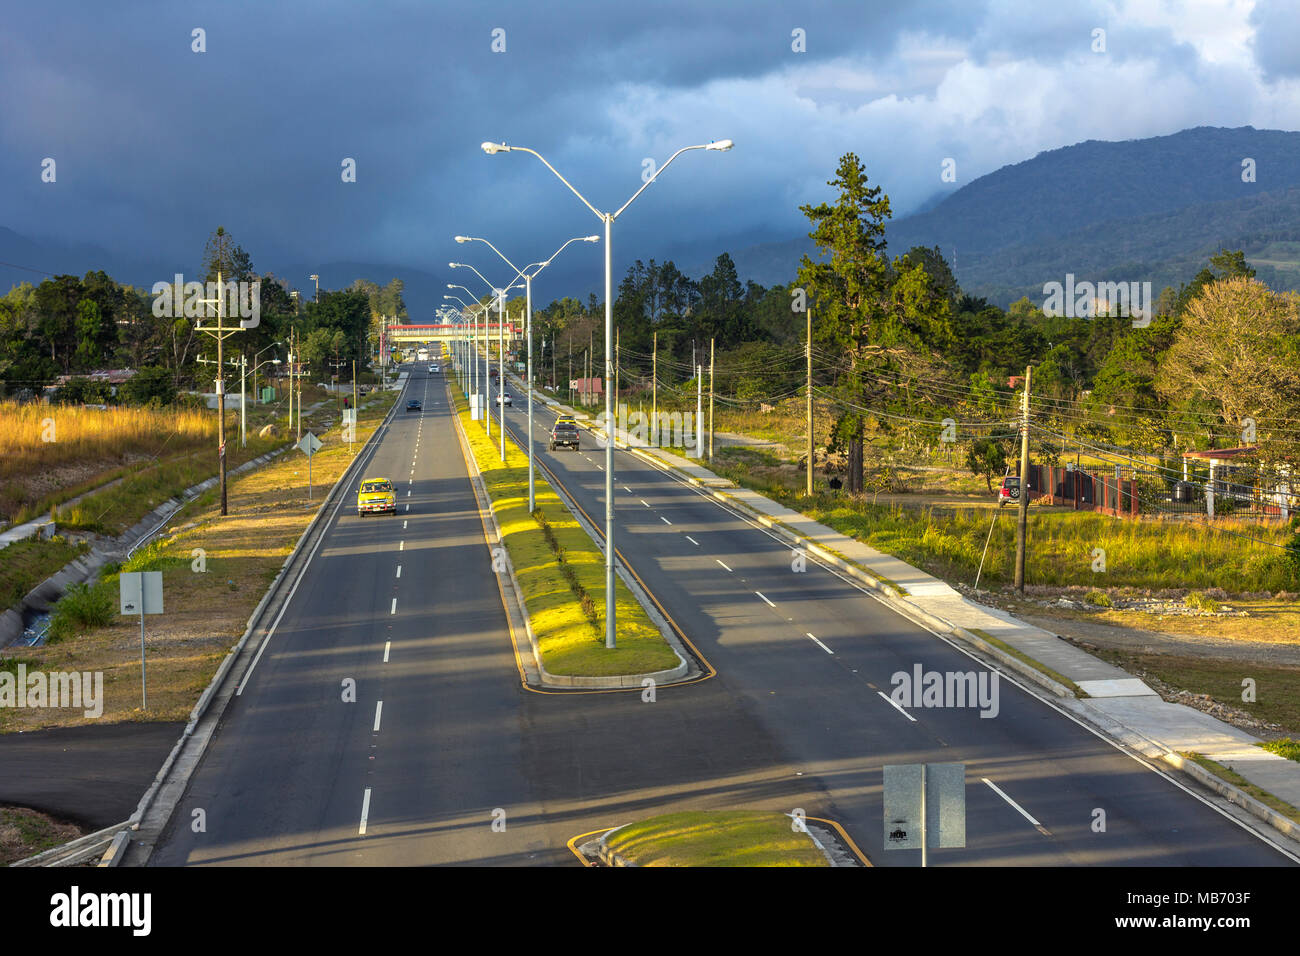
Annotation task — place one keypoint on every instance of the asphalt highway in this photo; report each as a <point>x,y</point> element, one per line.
<point>445,758</point>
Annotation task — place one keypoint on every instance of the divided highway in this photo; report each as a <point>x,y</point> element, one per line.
<point>443,739</point>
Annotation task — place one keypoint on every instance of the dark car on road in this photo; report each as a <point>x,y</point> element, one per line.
<point>414,405</point>
<point>564,435</point>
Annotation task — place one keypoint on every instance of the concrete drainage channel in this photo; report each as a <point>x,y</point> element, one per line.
<point>24,623</point>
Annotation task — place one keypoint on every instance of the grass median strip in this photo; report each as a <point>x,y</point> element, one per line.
<point>716,838</point>
<point>215,571</point>
<point>561,572</point>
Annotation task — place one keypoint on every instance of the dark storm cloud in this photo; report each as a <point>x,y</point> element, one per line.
<point>156,144</point>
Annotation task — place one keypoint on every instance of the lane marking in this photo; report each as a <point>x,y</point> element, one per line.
<point>643,501</point>
<point>379,710</point>
<point>1021,810</point>
<point>664,520</point>
<point>692,541</point>
<point>401,545</point>
<point>365,812</point>
<point>393,610</point>
<point>719,560</point>
<point>403,524</point>
<point>822,646</point>
<point>399,570</point>
<point>764,597</point>
<point>387,645</point>
<point>893,703</point>
<point>408,494</point>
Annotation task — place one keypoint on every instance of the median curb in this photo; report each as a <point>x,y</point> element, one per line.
<point>565,681</point>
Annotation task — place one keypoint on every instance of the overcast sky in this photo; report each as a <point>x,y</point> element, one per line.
<point>156,145</point>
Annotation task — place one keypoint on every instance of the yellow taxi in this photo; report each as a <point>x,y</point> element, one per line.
<point>376,494</point>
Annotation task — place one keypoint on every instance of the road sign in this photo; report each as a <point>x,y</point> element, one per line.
<point>925,806</point>
<point>141,592</point>
<point>310,444</point>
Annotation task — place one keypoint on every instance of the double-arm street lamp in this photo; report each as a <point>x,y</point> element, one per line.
<point>500,295</point>
<point>528,298</point>
<point>608,219</point>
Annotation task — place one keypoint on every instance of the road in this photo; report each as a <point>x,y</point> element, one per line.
<point>443,739</point>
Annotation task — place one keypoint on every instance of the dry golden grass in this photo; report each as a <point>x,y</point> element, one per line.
<point>39,437</point>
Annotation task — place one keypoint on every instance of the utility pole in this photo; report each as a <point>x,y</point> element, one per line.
<point>610,425</point>
<point>1022,524</point>
<point>569,388</point>
<point>654,393</point>
<point>501,381</point>
<point>243,411</point>
<point>808,389</point>
<point>710,399</point>
<point>220,332</point>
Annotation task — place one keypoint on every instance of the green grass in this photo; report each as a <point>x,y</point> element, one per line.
<point>570,644</point>
<point>1202,602</point>
<point>716,838</point>
<point>947,541</point>
<point>1241,783</point>
<point>1287,747</point>
<point>25,564</point>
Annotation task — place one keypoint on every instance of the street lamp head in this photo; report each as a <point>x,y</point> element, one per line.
<point>456,265</point>
<point>591,238</point>
<point>491,148</point>
<point>721,145</point>
<point>462,238</point>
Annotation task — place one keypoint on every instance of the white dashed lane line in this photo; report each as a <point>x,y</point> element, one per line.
<point>894,704</point>
<point>644,502</point>
<point>379,709</point>
<point>365,812</point>
<point>822,646</point>
<point>399,570</point>
<point>719,560</point>
<point>393,609</point>
<point>692,541</point>
<point>664,520</point>
<point>1019,809</point>
<point>764,597</point>
<point>387,646</point>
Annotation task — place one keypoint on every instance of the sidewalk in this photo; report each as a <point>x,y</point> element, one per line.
<point>1111,699</point>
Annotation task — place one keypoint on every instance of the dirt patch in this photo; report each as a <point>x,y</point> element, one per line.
<point>25,833</point>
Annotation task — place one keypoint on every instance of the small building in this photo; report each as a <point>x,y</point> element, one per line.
<point>1235,476</point>
<point>586,391</point>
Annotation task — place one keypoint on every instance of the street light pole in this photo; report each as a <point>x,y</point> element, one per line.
<point>528,300</point>
<point>608,219</point>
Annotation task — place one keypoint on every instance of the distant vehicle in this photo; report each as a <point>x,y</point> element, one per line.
<point>504,398</point>
<point>434,370</point>
<point>414,405</point>
<point>422,355</point>
<point>1010,491</point>
<point>376,495</point>
<point>564,435</point>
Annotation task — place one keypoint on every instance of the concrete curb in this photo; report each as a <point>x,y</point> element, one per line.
<point>563,681</point>
<point>117,852</point>
<point>74,852</point>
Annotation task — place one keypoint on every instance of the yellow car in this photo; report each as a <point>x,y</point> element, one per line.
<point>566,419</point>
<point>376,494</point>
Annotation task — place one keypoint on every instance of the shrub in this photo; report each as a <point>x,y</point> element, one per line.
<point>83,606</point>
<point>1098,598</point>
<point>1200,601</point>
